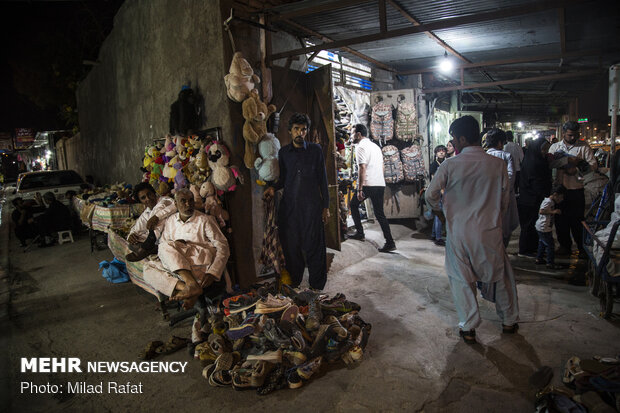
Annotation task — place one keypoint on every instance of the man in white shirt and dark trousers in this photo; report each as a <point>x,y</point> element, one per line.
<point>545,223</point>
<point>371,184</point>
<point>576,153</point>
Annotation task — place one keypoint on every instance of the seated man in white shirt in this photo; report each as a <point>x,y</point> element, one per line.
<point>192,250</point>
<point>149,226</point>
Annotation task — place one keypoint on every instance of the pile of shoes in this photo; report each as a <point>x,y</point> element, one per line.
<point>592,385</point>
<point>268,341</point>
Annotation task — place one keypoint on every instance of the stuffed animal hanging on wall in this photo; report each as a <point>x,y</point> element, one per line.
<point>198,203</point>
<point>240,79</point>
<point>224,177</point>
<point>255,113</point>
<point>267,164</point>
<point>212,204</point>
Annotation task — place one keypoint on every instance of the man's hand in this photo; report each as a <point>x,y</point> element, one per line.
<point>269,193</point>
<point>133,239</point>
<point>325,215</point>
<point>152,223</point>
<point>360,195</point>
<point>557,211</point>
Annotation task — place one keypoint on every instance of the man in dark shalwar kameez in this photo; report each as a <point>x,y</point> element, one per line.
<point>304,207</point>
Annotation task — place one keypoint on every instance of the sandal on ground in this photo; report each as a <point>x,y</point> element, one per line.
<point>572,368</point>
<point>174,344</point>
<point>510,329</point>
<point>469,337</point>
<point>150,351</point>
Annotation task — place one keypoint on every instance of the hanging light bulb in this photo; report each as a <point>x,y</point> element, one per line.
<point>446,65</point>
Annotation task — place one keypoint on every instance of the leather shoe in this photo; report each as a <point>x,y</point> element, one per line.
<point>357,236</point>
<point>388,247</point>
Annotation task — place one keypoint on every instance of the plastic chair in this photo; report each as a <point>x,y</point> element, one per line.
<point>64,236</point>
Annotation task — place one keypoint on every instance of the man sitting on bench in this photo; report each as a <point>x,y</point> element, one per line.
<point>150,224</point>
<point>192,249</point>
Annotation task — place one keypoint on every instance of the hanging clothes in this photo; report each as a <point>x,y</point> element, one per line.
<point>271,255</point>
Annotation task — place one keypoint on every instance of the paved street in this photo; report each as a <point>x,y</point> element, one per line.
<point>61,306</point>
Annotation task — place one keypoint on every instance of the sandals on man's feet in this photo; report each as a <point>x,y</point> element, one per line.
<point>469,337</point>
<point>510,329</point>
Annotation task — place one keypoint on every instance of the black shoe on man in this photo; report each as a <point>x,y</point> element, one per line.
<point>358,236</point>
<point>388,247</point>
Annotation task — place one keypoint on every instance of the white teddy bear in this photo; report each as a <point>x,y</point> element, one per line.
<point>267,163</point>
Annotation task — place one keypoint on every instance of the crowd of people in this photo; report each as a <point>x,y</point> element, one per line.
<point>478,195</point>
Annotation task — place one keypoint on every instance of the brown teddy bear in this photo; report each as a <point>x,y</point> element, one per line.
<point>255,113</point>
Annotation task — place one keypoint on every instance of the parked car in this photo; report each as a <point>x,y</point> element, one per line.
<point>57,182</point>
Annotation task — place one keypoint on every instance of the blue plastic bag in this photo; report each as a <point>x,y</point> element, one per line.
<point>114,271</point>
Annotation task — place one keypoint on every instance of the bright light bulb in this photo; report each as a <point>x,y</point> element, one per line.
<point>446,65</point>
<point>520,124</point>
<point>437,127</point>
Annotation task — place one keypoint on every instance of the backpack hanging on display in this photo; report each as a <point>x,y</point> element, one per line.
<point>392,165</point>
<point>406,122</point>
<point>413,163</point>
<point>381,122</point>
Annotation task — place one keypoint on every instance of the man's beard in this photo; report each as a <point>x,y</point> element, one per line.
<point>298,139</point>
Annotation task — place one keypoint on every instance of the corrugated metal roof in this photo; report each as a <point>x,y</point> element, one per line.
<point>588,26</point>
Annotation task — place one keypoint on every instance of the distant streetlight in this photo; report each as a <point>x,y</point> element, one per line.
<point>520,124</point>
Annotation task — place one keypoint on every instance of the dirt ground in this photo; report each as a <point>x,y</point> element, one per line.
<point>59,305</point>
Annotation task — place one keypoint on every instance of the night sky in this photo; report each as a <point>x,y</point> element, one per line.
<point>43,46</point>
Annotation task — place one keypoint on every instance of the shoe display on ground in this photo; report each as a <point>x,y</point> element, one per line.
<point>388,247</point>
<point>240,302</point>
<point>259,373</point>
<point>275,349</point>
<point>272,304</point>
<point>306,370</point>
<point>293,379</point>
<point>313,320</point>
<point>271,356</point>
<point>275,335</point>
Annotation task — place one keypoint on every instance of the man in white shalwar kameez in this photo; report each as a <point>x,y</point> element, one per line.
<point>155,206</point>
<point>476,193</point>
<point>192,250</point>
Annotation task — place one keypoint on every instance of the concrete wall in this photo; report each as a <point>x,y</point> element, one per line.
<point>156,46</point>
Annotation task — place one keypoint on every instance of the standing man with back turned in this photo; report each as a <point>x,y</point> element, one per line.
<point>371,184</point>
<point>476,193</point>
<point>304,207</point>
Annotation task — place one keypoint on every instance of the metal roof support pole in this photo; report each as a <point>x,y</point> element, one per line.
<point>614,78</point>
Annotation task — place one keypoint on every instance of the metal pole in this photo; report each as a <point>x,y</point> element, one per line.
<point>613,91</point>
